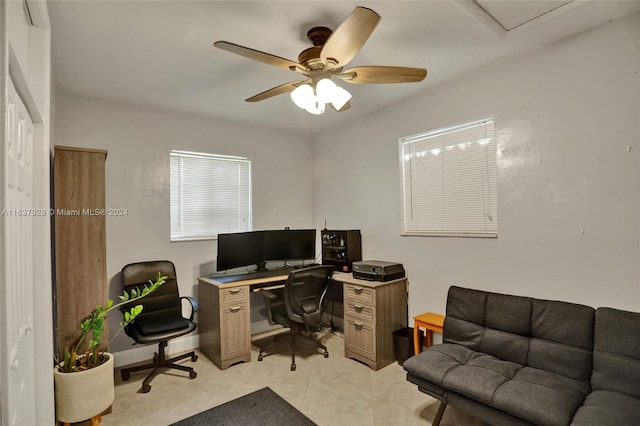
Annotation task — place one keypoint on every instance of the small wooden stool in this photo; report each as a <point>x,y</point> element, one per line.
<point>430,322</point>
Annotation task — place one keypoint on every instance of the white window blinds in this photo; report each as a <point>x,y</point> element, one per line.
<point>210,194</point>
<point>449,181</point>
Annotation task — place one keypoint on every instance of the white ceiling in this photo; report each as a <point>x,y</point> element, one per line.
<point>160,54</point>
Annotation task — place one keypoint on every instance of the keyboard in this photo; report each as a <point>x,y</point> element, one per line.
<point>253,275</point>
<point>258,274</point>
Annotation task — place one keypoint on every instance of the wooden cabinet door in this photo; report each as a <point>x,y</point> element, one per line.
<point>360,337</point>
<point>80,237</point>
<point>235,330</point>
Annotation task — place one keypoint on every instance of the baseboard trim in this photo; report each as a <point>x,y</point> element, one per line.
<point>145,353</point>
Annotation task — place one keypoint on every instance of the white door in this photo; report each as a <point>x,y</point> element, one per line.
<point>17,278</point>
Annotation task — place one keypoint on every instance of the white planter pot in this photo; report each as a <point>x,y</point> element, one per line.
<point>84,394</point>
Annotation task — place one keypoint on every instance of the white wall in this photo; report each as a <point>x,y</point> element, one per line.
<point>137,179</point>
<point>565,117</point>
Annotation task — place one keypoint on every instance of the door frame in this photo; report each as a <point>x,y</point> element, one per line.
<point>32,81</point>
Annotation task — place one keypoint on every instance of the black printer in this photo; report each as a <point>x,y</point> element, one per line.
<point>377,270</point>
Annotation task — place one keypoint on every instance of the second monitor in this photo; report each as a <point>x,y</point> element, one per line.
<point>290,244</point>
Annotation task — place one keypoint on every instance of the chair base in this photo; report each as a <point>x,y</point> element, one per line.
<point>292,345</point>
<point>159,364</point>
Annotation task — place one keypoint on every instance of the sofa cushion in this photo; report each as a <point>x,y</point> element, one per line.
<point>538,396</point>
<point>616,356</point>
<point>606,408</point>
<point>548,335</point>
<point>562,338</point>
<point>460,369</point>
<point>541,397</point>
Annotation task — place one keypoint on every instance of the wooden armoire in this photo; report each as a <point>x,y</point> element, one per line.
<point>80,238</point>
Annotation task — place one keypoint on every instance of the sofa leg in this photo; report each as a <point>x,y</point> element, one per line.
<point>439,414</point>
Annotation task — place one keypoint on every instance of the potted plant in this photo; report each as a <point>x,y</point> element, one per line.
<point>83,380</point>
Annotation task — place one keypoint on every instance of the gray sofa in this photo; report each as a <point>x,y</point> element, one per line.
<point>511,360</point>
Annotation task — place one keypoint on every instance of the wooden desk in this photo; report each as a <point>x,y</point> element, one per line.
<point>372,311</point>
<point>224,319</point>
<point>430,322</point>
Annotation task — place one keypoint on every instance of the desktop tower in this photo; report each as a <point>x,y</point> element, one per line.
<point>341,248</point>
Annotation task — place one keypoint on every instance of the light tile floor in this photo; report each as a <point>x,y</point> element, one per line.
<point>330,391</point>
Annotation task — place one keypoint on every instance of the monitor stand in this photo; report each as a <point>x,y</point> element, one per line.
<point>262,266</point>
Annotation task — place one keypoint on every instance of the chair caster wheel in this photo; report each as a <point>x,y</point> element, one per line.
<point>260,357</point>
<point>194,358</point>
<point>326,354</point>
<point>193,374</point>
<point>293,367</point>
<point>146,388</point>
<point>125,375</point>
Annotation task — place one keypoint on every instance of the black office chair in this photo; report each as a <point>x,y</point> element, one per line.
<point>298,306</point>
<point>161,318</point>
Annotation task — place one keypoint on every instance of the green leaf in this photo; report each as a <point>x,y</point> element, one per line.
<point>85,324</point>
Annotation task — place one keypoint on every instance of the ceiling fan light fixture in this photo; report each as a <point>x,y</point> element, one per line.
<point>316,107</point>
<point>315,100</point>
<point>325,90</point>
<point>303,96</point>
<point>340,97</point>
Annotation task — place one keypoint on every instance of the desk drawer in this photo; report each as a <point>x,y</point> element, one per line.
<point>234,295</point>
<point>359,310</point>
<point>359,294</point>
<point>360,337</point>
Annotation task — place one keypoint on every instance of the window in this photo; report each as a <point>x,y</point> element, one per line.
<point>449,181</point>
<point>210,194</point>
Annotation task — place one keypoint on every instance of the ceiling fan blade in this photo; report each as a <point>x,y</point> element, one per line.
<point>382,75</point>
<point>275,91</point>
<point>345,42</point>
<point>257,55</point>
<point>344,107</point>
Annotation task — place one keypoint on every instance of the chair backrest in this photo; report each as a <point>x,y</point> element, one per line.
<point>162,303</point>
<point>304,293</point>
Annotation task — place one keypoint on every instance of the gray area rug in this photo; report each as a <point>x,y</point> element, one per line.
<point>263,407</point>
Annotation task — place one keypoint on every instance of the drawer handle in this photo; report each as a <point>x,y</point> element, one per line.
<point>358,289</point>
<point>234,290</point>
<point>358,307</point>
<point>358,324</point>
<point>234,308</point>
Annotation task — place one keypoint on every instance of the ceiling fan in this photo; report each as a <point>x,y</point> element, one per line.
<point>326,60</point>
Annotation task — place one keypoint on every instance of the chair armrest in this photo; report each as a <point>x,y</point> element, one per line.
<point>269,295</point>
<point>268,298</point>
<point>194,305</point>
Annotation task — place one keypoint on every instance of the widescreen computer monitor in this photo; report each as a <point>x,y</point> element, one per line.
<point>240,249</point>
<point>290,244</point>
